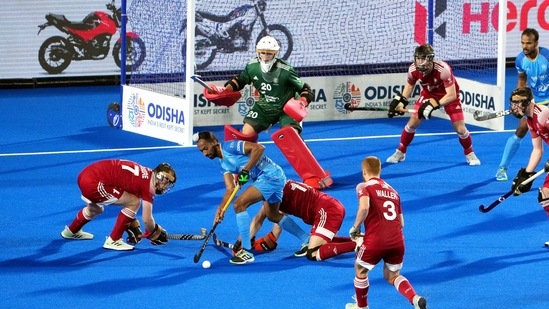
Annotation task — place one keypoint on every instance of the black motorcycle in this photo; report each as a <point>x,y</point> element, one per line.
<point>231,33</point>
<point>88,40</point>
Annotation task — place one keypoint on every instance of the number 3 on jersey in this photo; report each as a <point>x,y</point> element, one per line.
<point>390,211</point>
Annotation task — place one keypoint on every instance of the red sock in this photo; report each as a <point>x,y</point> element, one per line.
<point>341,239</point>
<point>78,222</point>
<point>122,223</point>
<point>404,287</point>
<point>330,249</point>
<point>467,143</point>
<point>361,291</point>
<point>405,140</point>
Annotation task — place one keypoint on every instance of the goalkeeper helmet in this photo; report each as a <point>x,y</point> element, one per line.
<point>519,101</point>
<point>165,178</point>
<point>267,49</point>
<point>423,58</point>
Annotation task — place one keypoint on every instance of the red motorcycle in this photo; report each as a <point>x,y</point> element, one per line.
<point>89,39</point>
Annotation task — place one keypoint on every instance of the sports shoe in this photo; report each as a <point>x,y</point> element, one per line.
<point>419,302</point>
<point>472,159</point>
<point>118,245</point>
<point>501,174</point>
<point>547,244</point>
<point>80,235</point>
<point>398,156</point>
<point>242,257</point>
<point>302,251</point>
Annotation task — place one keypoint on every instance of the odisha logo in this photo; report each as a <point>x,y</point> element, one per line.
<point>346,93</point>
<point>136,110</point>
<point>249,96</point>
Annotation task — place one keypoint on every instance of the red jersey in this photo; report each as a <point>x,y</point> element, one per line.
<point>300,200</point>
<point>435,83</point>
<point>539,123</point>
<point>382,225</point>
<point>113,177</point>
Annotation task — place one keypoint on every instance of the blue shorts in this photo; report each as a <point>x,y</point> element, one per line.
<point>271,186</point>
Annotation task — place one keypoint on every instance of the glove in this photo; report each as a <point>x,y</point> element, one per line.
<point>158,236</point>
<point>134,233</point>
<point>265,243</point>
<point>427,107</point>
<point>243,177</point>
<point>398,102</point>
<point>216,89</point>
<point>522,175</point>
<point>354,232</point>
<point>295,108</point>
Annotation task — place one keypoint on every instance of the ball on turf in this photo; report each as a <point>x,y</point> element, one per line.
<point>206,264</point>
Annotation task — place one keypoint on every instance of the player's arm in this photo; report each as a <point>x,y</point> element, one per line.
<point>147,215</point>
<point>450,96</point>
<point>522,80</point>
<point>536,155</point>
<point>361,214</point>
<point>255,151</point>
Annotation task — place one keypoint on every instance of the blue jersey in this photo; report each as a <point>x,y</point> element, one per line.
<point>536,71</point>
<point>234,159</point>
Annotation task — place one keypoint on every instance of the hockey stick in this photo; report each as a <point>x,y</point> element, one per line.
<point>502,198</point>
<point>203,247</point>
<point>222,243</point>
<point>200,236</point>
<point>202,83</point>
<point>348,107</point>
<point>478,115</point>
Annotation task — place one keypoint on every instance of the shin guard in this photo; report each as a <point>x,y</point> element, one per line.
<point>232,134</point>
<point>301,158</point>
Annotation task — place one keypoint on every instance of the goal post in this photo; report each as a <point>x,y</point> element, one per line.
<point>348,51</point>
<point>156,101</point>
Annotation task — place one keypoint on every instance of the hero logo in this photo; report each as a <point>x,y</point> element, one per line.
<point>346,93</point>
<point>136,110</point>
<point>485,15</point>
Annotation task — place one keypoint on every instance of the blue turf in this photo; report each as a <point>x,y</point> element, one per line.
<point>456,257</point>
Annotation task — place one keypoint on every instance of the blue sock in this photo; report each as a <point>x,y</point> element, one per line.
<point>289,225</point>
<point>511,148</point>
<point>243,223</point>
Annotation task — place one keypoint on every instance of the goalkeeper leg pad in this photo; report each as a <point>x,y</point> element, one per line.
<point>301,158</point>
<point>232,134</point>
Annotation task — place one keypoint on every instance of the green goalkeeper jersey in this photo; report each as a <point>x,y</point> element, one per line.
<point>276,87</point>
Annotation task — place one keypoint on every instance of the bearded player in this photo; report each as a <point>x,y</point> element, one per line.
<point>439,88</point>
<point>537,118</point>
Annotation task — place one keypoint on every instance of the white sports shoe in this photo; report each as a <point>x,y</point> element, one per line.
<point>547,244</point>
<point>118,245</point>
<point>80,235</point>
<point>472,159</point>
<point>398,156</point>
<point>419,302</point>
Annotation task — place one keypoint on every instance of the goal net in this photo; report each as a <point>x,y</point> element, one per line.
<point>348,51</point>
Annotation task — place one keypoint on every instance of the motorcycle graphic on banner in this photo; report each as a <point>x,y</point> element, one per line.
<point>89,39</point>
<point>232,33</point>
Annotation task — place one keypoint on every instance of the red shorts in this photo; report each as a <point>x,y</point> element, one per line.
<point>328,219</point>
<point>453,110</point>
<point>393,256</point>
<point>94,191</point>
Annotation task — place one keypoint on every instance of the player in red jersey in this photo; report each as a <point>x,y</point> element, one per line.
<point>380,211</point>
<point>124,183</point>
<point>537,118</point>
<point>323,212</point>
<point>439,88</point>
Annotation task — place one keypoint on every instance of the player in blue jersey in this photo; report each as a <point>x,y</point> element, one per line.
<point>248,161</point>
<point>533,68</point>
